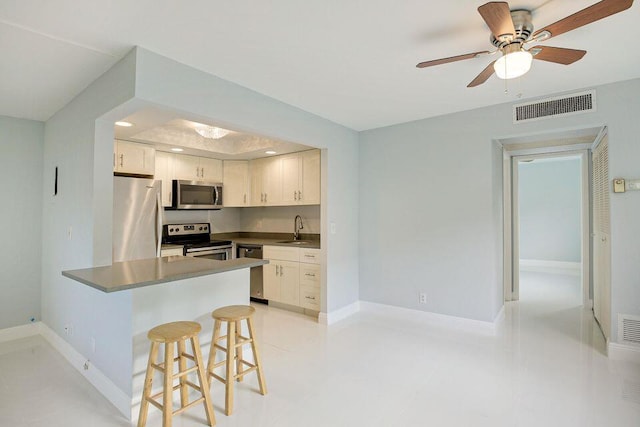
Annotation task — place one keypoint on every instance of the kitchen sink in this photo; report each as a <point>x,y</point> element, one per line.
<point>297,242</point>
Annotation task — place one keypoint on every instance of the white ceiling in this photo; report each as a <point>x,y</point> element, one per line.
<point>350,61</point>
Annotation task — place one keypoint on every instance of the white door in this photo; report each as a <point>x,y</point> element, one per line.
<point>601,237</point>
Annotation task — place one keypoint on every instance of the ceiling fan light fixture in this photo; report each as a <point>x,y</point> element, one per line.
<point>212,132</point>
<point>513,64</point>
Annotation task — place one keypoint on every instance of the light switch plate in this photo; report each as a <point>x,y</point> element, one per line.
<point>618,185</point>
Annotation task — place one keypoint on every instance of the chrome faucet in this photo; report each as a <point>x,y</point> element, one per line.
<point>296,227</point>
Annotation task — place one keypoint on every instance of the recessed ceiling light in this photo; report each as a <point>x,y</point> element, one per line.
<point>270,152</point>
<point>124,124</point>
<point>177,150</point>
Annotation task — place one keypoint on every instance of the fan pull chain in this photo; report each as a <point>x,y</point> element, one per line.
<point>506,87</point>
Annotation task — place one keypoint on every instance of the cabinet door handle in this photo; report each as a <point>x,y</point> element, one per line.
<point>245,198</point>
<point>201,172</point>
<point>299,195</point>
<point>295,195</point>
<point>281,271</point>
<point>308,297</point>
<point>121,160</point>
<point>310,275</point>
<point>265,197</point>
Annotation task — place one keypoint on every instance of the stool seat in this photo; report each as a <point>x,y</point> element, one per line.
<point>233,313</point>
<point>174,331</point>
<point>233,316</point>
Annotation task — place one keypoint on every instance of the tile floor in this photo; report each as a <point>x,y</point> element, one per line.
<point>545,367</point>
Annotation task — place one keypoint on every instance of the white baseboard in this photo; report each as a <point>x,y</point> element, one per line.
<point>624,352</point>
<point>119,399</point>
<point>499,317</point>
<point>470,325</point>
<point>339,314</point>
<point>548,266</point>
<point>22,331</point>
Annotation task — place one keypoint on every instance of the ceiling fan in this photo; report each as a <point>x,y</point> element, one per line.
<point>512,32</point>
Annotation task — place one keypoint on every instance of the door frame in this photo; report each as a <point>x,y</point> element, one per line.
<point>512,220</point>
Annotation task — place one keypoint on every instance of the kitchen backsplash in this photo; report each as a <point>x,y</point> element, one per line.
<point>274,219</point>
<point>279,219</point>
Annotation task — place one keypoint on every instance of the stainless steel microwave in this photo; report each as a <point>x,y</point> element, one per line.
<point>196,195</point>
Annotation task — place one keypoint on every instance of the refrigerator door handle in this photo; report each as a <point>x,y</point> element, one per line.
<point>158,222</point>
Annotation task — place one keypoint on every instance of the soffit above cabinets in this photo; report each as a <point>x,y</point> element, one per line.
<point>166,130</point>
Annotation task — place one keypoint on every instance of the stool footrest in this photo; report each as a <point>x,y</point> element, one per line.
<point>184,408</point>
<point>245,372</point>
<point>219,364</point>
<point>185,372</point>
<point>218,377</point>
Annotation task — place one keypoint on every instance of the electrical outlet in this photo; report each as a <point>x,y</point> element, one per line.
<point>423,298</point>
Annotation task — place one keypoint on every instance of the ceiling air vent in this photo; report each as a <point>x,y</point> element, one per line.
<point>629,329</point>
<point>576,103</point>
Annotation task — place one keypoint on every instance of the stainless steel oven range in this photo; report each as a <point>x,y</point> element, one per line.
<point>197,241</point>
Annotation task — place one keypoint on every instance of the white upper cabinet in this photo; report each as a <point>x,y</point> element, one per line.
<point>164,172</point>
<point>292,179</point>
<point>301,178</point>
<point>210,170</point>
<point>236,183</point>
<point>266,181</point>
<point>133,158</point>
<point>192,168</point>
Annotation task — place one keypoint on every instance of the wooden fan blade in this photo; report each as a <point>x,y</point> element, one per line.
<point>451,59</point>
<point>558,55</point>
<point>498,17</point>
<point>586,16</point>
<point>483,76</point>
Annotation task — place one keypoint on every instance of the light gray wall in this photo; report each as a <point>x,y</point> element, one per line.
<point>427,206</point>
<point>549,196</point>
<point>21,213</point>
<point>279,219</point>
<point>84,205</point>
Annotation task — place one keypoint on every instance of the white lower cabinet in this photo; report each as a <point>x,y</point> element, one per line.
<point>290,281</point>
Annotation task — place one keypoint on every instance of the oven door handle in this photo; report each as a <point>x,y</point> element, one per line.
<point>207,251</point>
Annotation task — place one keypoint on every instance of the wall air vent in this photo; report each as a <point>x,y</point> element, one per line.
<point>576,103</point>
<point>629,329</point>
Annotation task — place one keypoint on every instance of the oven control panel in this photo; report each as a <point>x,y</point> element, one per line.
<point>186,229</point>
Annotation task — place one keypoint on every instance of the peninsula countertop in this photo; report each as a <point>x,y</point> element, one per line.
<point>125,275</point>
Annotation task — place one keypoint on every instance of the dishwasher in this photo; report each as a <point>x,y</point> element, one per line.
<point>253,251</point>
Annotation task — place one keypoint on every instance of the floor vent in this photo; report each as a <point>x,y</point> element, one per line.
<point>629,329</point>
<point>576,103</point>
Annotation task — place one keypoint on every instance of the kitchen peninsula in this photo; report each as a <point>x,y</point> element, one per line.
<point>156,291</point>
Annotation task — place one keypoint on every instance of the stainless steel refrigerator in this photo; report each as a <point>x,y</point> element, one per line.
<point>137,218</point>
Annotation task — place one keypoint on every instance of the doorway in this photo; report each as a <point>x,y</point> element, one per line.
<point>548,224</point>
<point>545,147</point>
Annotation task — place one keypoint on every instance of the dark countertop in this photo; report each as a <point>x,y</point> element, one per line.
<point>121,276</point>
<point>312,241</point>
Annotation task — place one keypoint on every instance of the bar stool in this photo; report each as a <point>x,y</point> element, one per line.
<point>170,334</point>
<point>233,316</point>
